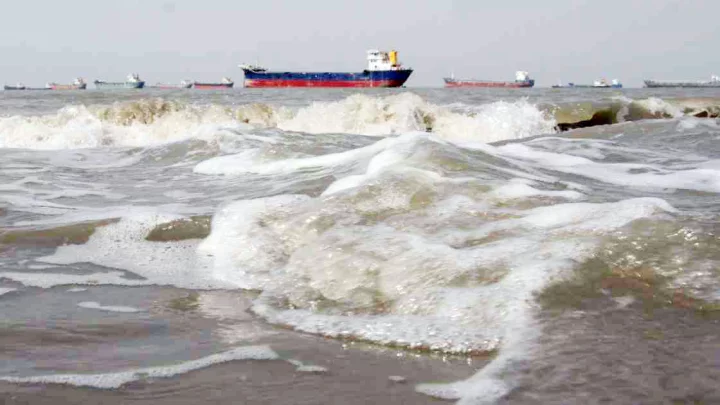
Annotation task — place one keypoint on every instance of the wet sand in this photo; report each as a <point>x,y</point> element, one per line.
<point>82,341</point>
<point>354,376</point>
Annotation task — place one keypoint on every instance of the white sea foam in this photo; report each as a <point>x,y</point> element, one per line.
<point>47,280</point>
<point>4,290</point>
<point>624,174</point>
<point>521,188</point>
<point>159,263</point>
<point>118,379</point>
<point>395,237</point>
<point>307,368</point>
<point>251,161</point>
<point>108,308</point>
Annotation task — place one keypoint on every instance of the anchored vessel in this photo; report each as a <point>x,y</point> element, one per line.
<point>522,79</point>
<point>184,84</point>
<point>225,83</point>
<point>597,84</point>
<point>77,84</point>
<point>383,70</point>
<point>713,82</point>
<point>132,82</point>
<point>18,86</point>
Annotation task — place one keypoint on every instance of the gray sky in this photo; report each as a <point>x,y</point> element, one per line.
<point>168,40</point>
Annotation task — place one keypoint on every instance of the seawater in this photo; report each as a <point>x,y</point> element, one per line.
<point>431,221</point>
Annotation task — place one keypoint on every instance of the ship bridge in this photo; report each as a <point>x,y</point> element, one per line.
<point>382,61</point>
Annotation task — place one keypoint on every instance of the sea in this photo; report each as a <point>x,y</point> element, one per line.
<point>386,246</point>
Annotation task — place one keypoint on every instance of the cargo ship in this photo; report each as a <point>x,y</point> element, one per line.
<point>522,80</point>
<point>18,86</point>
<point>225,83</point>
<point>132,82</point>
<point>21,86</point>
<point>597,84</point>
<point>383,70</point>
<point>184,84</point>
<point>713,82</point>
<point>77,84</point>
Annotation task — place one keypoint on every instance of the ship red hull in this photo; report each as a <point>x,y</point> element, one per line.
<point>323,83</point>
<point>510,85</point>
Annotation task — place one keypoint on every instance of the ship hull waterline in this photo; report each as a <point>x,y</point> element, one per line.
<point>691,85</point>
<point>119,85</point>
<point>366,79</point>
<point>489,84</point>
<point>212,86</point>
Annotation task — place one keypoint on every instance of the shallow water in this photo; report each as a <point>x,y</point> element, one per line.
<point>427,243</point>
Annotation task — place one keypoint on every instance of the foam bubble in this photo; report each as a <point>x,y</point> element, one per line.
<point>47,280</point>
<point>108,308</point>
<point>519,188</point>
<point>307,368</point>
<point>118,379</point>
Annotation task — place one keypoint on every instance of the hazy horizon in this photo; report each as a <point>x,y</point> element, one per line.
<point>166,41</point>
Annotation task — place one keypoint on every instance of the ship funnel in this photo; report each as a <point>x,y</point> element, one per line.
<point>393,58</point>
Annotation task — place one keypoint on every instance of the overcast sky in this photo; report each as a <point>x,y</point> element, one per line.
<point>168,40</point>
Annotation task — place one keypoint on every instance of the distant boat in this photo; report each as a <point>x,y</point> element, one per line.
<point>713,82</point>
<point>522,80</point>
<point>184,84</point>
<point>132,82</point>
<point>597,84</point>
<point>383,70</point>
<point>18,86</point>
<point>21,86</point>
<point>225,83</point>
<point>77,84</point>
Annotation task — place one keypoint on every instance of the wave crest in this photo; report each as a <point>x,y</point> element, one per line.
<point>150,122</point>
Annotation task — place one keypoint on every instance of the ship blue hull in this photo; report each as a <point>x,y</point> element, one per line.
<point>384,78</point>
<point>119,85</point>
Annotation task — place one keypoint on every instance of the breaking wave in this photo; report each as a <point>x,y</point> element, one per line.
<point>623,109</point>
<point>152,122</point>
